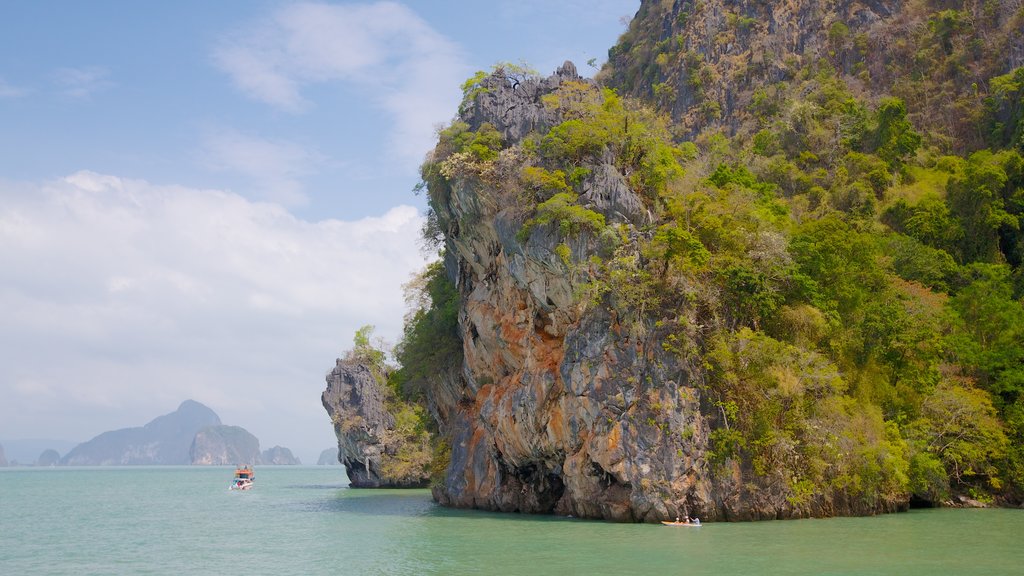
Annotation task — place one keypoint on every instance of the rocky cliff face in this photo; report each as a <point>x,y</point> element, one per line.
<point>3,458</point>
<point>372,445</point>
<point>714,63</point>
<point>564,407</point>
<point>224,445</point>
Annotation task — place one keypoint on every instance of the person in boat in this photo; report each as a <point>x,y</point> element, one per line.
<point>695,520</point>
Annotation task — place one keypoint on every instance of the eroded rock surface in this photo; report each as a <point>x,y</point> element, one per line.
<point>374,453</point>
<point>561,407</point>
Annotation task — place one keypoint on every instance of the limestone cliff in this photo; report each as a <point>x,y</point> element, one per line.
<point>577,404</point>
<point>718,63</point>
<point>3,458</point>
<point>224,445</point>
<point>378,442</point>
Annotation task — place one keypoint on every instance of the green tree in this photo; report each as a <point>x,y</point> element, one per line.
<point>960,428</point>
<point>991,339</point>
<point>431,346</point>
<point>365,351</point>
<point>987,198</point>
<point>895,138</point>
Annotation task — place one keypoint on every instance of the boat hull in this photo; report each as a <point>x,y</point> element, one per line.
<point>244,485</point>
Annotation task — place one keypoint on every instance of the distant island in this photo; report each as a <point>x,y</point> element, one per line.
<point>192,434</point>
<point>329,457</point>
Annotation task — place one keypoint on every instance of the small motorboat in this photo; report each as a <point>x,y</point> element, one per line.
<point>695,523</point>
<point>244,477</point>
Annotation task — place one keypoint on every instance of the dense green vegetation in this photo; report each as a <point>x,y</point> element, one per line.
<point>430,346</point>
<point>896,156</point>
<point>841,270</point>
<point>851,295</point>
<point>900,267</point>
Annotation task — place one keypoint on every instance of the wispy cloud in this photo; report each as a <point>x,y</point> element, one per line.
<point>11,91</point>
<point>274,168</point>
<point>82,82</point>
<point>406,67</point>
<point>107,283</point>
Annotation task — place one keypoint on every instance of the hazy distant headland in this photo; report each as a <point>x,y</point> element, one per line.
<point>192,434</point>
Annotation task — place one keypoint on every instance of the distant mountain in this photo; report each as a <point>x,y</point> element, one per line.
<point>3,459</point>
<point>49,457</point>
<point>279,455</point>
<point>328,457</point>
<point>165,440</point>
<point>222,445</point>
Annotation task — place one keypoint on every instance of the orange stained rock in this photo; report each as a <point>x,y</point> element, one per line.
<point>614,438</point>
<point>478,436</point>
<point>558,428</point>
<point>511,333</point>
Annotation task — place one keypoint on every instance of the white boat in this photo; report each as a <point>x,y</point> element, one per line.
<point>244,477</point>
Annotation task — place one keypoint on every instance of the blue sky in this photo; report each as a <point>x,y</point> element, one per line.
<point>205,199</point>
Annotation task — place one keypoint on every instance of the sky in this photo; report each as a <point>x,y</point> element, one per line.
<point>205,200</point>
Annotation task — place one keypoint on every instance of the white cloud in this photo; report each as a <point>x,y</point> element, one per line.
<point>409,70</point>
<point>82,82</point>
<point>275,168</point>
<point>11,91</point>
<point>122,298</point>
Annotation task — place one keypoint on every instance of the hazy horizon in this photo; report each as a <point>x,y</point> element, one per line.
<point>206,201</point>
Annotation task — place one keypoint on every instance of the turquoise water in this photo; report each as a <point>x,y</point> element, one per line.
<point>302,520</point>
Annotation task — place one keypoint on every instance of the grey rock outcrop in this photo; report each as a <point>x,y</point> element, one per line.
<point>224,445</point>
<point>279,456</point>
<point>165,440</point>
<point>511,103</point>
<point>373,453</point>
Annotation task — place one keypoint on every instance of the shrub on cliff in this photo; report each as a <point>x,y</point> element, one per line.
<point>430,344</point>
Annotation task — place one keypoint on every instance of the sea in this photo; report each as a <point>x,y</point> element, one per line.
<point>304,520</point>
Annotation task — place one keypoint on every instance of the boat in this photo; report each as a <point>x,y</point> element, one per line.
<point>696,524</point>
<point>244,477</point>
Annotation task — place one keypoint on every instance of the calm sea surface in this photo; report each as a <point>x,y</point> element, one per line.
<point>303,520</point>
